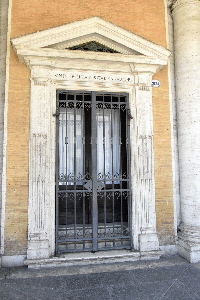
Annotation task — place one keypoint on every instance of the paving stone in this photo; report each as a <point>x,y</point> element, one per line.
<point>21,290</point>
<point>90,294</point>
<point>142,291</point>
<point>40,282</point>
<point>107,278</point>
<point>162,280</point>
<point>179,291</point>
<point>158,273</point>
<point>191,279</point>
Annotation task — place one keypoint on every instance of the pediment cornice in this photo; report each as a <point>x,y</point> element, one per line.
<point>54,41</point>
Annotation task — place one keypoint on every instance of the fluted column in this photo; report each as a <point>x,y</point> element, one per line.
<point>186,15</point>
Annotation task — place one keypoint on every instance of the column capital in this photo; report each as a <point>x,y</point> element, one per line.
<point>176,4</point>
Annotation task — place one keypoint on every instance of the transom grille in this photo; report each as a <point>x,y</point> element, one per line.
<point>93,46</point>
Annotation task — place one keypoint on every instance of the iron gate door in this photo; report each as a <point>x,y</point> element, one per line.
<point>93,172</point>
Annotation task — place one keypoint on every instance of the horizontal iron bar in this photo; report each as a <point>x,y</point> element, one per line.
<point>99,191</point>
<point>113,179</point>
<point>90,249</point>
<point>90,239</point>
<point>97,102</point>
<point>74,240</point>
<point>75,250</point>
<point>114,237</point>
<point>81,101</point>
<point>115,248</point>
<point>98,180</point>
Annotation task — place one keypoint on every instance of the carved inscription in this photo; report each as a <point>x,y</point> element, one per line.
<point>92,77</point>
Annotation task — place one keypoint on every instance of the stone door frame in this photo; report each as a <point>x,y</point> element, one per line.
<point>52,68</point>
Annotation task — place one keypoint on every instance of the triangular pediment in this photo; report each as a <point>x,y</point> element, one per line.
<point>95,29</point>
<point>111,45</point>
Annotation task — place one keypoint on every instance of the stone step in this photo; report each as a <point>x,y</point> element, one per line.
<point>86,258</point>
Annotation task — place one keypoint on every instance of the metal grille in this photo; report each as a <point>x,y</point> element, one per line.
<point>93,46</point>
<point>92,172</point>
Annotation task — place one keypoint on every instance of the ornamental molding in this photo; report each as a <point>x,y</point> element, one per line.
<point>181,3</point>
<point>52,43</point>
<point>40,81</point>
<point>97,38</point>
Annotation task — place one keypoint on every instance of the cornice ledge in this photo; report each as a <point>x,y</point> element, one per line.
<point>176,4</point>
<point>45,56</point>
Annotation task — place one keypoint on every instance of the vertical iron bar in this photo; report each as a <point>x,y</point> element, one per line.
<point>121,167</point>
<point>84,166</point>
<point>112,153</point>
<point>127,160</point>
<point>129,174</point>
<point>66,177</point>
<point>83,197</point>
<point>57,169</point>
<point>94,175</point>
<point>104,165</point>
<point>75,233</point>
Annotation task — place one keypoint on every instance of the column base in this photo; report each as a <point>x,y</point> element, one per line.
<point>189,251</point>
<point>148,242</point>
<point>189,243</point>
<point>38,249</point>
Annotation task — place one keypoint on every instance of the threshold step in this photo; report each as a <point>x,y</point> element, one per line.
<point>100,257</point>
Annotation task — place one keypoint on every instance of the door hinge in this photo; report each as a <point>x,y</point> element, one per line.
<point>56,114</point>
<point>129,113</point>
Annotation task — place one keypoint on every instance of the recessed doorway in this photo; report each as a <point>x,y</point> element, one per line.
<point>92,171</point>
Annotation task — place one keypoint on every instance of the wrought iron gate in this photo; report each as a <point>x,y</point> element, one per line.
<point>93,172</point>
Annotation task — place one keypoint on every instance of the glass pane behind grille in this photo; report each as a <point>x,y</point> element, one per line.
<point>92,181</point>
